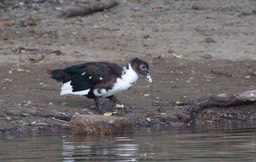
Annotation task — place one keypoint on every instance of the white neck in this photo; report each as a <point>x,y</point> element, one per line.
<point>127,79</point>
<point>129,75</point>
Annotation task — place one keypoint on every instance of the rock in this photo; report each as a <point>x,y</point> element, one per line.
<point>171,51</point>
<point>31,111</point>
<point>168,117</point>
<point>210,111</point>
<point>206,56</point>
<point>14,112</point>
<point>147,36</point>
<point>209,40</point>
<point>197,6</point>
<point>252,71</point>
<point>248,96</point>
<point>100,125</point>
<point>136,8</point>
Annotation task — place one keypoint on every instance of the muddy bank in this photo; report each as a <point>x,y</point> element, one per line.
<point>187,44</point>
<point>30,98</point>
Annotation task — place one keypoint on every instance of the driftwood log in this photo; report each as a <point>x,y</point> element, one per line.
<point>189,111</point>
<point>89,9</point>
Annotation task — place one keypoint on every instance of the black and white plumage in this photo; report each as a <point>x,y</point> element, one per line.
<point>100,79</point>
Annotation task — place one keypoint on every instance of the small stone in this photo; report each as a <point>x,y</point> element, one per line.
<point>136,8</point>
<point>64,103</point>
<point>206,56</point>
<point>168,117</point>
<point>111,122</point>
<point>90,113</point>
<point>33,122</point>
<point>58,8</point>
<point>149,119</point>
<point>146,36</point>
<point>210,111</point>
<point>107,114</point>
<point>253,72</point>
<point>23,114</point>
<point>209,40</point>
<point>7,80</point>
<point>197,6</point>
<point>177,56</point>
<point>170,51</point>
<point>120,106</point>
<point>146,95</point>
<point>30,111</point>
<point>14,112</point>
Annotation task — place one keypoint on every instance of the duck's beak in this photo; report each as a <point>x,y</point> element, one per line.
<point>148,77</point>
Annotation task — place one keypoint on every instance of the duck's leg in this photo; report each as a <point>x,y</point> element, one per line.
<point>116,102</point>
<point>97,103</point>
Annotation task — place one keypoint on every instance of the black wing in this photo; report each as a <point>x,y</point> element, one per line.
<point>88,75</point>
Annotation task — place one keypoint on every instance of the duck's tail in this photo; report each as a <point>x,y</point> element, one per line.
<point>60,75</point>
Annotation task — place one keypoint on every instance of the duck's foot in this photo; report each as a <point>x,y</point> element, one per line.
<point>116,102</point>
<point>120,109</point>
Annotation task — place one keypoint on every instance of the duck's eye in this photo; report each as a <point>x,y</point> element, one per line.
<point>142,67</point>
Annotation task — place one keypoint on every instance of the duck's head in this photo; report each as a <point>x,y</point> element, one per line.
<point>141,67</point>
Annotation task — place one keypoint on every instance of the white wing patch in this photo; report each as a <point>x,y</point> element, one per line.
<point>68,89</point>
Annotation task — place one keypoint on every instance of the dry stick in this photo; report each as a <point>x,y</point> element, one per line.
<point>61,121</point>
<point>87,10</point>
<point>221,101</point>
<point>224,100</point>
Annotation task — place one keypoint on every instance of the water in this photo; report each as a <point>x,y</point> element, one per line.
<point>239,145</point>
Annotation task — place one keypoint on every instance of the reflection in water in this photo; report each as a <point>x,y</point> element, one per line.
<point>26,149</point>
<point>163,146</point>
<point>96,148</point>
<point>143,146</point>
